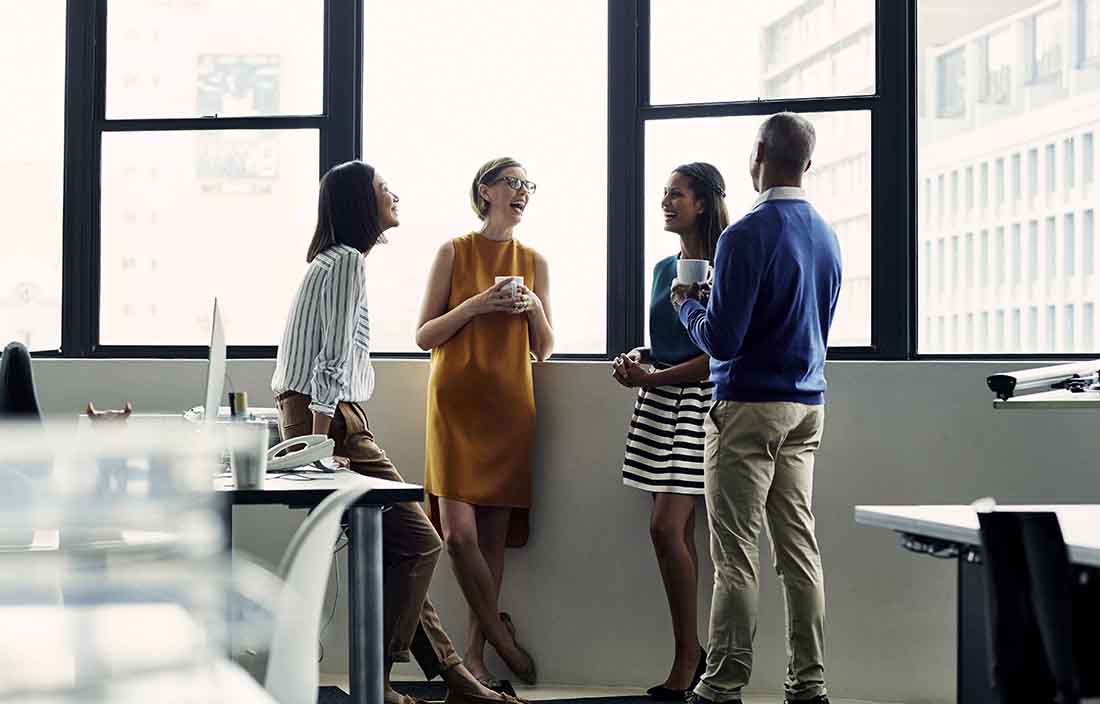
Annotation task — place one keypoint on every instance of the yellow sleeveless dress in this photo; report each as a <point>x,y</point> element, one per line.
<point>481,400</point>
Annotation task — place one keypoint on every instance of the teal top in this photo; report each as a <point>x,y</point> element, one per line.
<point>668,340</point>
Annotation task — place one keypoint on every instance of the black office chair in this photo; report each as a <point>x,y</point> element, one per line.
<point>18,400</point>
<point>1039,651</point>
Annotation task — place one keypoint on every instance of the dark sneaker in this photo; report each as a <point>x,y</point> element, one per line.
<point>819,699</point>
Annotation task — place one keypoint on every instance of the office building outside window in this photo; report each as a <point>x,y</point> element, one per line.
<point>1029,120</point>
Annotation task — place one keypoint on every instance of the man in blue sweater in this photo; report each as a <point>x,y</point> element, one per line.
<point>766,329</point>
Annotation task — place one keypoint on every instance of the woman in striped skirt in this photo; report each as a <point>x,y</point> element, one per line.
<point>664,448</point>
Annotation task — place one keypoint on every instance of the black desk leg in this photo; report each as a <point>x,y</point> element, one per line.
<point>973,679</point>
<point>365,605</point>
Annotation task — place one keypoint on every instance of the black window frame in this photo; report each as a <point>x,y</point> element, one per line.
<point>894,198</point>
<point>337,124</point>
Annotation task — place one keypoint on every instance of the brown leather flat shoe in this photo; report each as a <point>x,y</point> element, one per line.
<point>467,698</point>
<point>530,675</point>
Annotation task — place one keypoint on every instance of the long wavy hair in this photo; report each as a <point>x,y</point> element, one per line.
<point>347,210</point>
<point>707,184</point>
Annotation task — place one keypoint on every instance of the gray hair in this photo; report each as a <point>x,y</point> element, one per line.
<point>789,141</point>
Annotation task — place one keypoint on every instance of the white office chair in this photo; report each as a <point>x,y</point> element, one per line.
<point>292,672</point>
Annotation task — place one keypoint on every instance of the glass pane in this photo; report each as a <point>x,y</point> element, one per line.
<point>188,216</point>
<point>985,72</point>
<point>31,156</point>
<point>512,92</point>
<point>233,58</point>
<point>838,184</point>
<point>715,50</point>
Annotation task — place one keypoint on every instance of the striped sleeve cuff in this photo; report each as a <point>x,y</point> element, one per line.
<point>323,408</point>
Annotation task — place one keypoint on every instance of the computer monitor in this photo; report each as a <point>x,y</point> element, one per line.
<point>215,369</point>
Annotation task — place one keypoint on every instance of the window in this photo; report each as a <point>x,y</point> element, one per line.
<point>983,335</point>
<point>1033,172</point>
<point>1047,46</point>
<point>969,189</point>
<point>1087,244</point>
<point>1000,181</point>
<point>970,260</point>
<point>984,275</point>
<point>985,185</point>
<point>941,259</point>
<point>969,332</point>
<point>1052,168</point>
<point>172,199</point>
<point>940,198</point>
<point>1068,331</point>
<point>928,267</point>
<point>954,195</point>
<point>928,200</point>
<point>955,263</point>
<point>771,55</point>
<point>999,340</point>
<point>1087,327</point>
<point>192,59</point>
<point>1033,251</point>
<point>1017,255</point>
<point>1017,333</point>
<point>951,79</point>
<point>1033,329</point>
<point>547,109</point>
<point>1070,237</point>
<point>1052,249</point>
<point>31,157</point>
<point>838,134</point>
<point>1088,174</point>
<point>1017,187</point>
<point>997,83</point>
<point>185,196</point>
<point>999,256</point>
<point>1090,30</point>
<point>1070,175</point>
<point>1052,328</point>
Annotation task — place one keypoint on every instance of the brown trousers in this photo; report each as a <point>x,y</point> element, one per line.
<point>410,545</point>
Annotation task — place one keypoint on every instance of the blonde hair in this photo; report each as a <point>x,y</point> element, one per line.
<point>488,173</point>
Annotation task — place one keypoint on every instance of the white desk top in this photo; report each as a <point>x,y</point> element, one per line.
<point>1060,398</point>
<point>1080,524</point>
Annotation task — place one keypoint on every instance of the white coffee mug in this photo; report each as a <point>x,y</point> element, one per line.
<point>692,271</point>
<point>517,281</point>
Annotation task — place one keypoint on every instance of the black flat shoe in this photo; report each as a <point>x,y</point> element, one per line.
<point>662,693</point>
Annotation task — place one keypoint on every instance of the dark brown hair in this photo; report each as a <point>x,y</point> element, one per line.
<point>488,173</point>
<point>707,184</point>
<point>347,210</point>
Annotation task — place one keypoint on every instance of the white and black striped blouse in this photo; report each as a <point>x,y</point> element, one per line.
<point>325,352</point>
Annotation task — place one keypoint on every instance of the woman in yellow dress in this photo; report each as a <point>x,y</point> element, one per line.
<point>483,334</point>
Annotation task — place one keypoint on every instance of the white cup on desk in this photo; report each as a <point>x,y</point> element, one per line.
<point>692,271</point>
<point>516,282</point>
<point>248,441</point>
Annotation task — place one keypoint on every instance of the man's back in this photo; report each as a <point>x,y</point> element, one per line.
<point>784,259</point>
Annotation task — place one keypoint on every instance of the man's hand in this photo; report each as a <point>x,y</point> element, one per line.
<point>681,293</point>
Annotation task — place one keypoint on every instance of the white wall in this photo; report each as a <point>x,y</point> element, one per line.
<point>585,593</point>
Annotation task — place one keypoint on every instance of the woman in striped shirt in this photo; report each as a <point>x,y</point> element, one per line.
<point>664,449</point>
<point>323,379</point>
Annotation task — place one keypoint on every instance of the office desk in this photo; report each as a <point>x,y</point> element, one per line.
<point>1059,399</point>
<point>952,531</point>
<point>365,673</point>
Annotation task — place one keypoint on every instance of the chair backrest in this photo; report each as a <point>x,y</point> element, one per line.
<point>1029,594</point>
<point>18,399</point>
<point>292,671</point>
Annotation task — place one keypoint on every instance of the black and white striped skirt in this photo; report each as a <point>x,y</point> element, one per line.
<point>664,446</point>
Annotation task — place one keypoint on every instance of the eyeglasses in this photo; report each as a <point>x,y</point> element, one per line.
<point>515,183</point>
